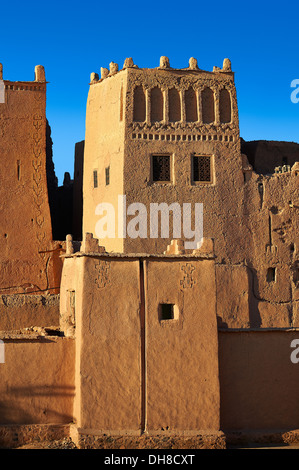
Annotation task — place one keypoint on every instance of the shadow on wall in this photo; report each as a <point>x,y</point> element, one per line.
<point>38,412</point>
<point>265,156</point>
<point>255,320</point>
<point>238,305</point>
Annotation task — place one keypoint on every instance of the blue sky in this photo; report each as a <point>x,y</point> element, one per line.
<point>73,39</point>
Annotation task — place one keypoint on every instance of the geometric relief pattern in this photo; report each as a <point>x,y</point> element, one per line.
<point>37,164</point>
<point>188,281</point>
<point>103,273</point>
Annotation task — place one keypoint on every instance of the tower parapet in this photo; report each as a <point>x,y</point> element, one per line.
<point>201,103</point>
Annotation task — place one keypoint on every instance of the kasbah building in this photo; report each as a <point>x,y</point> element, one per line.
<point>141,341</point>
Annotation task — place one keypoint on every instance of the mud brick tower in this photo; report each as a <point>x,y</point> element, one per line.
<point>162,135</point>
<point>29,258</point>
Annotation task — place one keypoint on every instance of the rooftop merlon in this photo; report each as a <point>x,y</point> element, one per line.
<point>39,75</point>
<point>163,65</point>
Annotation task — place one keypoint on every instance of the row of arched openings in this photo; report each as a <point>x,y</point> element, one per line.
<point>174,105</point>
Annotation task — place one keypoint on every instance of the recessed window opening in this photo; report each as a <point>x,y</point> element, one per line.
<point>139,111</point>
<point>174,105</point>
<point>156,105</point>
<point>208,111</point>
<point>95,178</point>
<point>191,105</point>
<point>18,170</point>
<point>271,275</point>
<point>161,168</point>
<point>168,311</point>
<point>224,106</point>
<point>201,169</point>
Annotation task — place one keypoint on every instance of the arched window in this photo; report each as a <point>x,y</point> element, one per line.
<point>208,106</point>
<point>156,104</point>
<point>191,105</point>
<point>174,101</point>
<point>139,104</point>
<point>225,106</point>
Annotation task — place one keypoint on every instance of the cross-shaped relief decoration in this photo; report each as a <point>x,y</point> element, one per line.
<point>188,280</point>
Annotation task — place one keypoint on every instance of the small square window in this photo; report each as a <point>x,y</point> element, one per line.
<point>201,169</point>
<point>161,167</point>
<point>166,311</point>
<point>107,175</point>
<point>95,178</point>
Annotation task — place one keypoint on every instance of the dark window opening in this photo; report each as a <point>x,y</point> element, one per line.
<point>139,110</point>
<point>161,167</point>
<point>271,275</point>
<point>107,175</point>
<point>208,110</point>
<point>224,106</point>
<point>166,311</point>
<point>174,105</point>
<point>95,179</point>
<point>202,169</point>
<point>191,105</point>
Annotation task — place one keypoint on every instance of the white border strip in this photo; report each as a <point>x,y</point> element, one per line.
<point>2,92</point>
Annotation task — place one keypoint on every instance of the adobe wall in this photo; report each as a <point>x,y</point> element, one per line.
<point>37,378</point>
<point>258,381</point>
<point>182,355</point>
<point>20,311</point>
<point>121,368</point>
<point>181,137</point>
<point>104,148</point>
